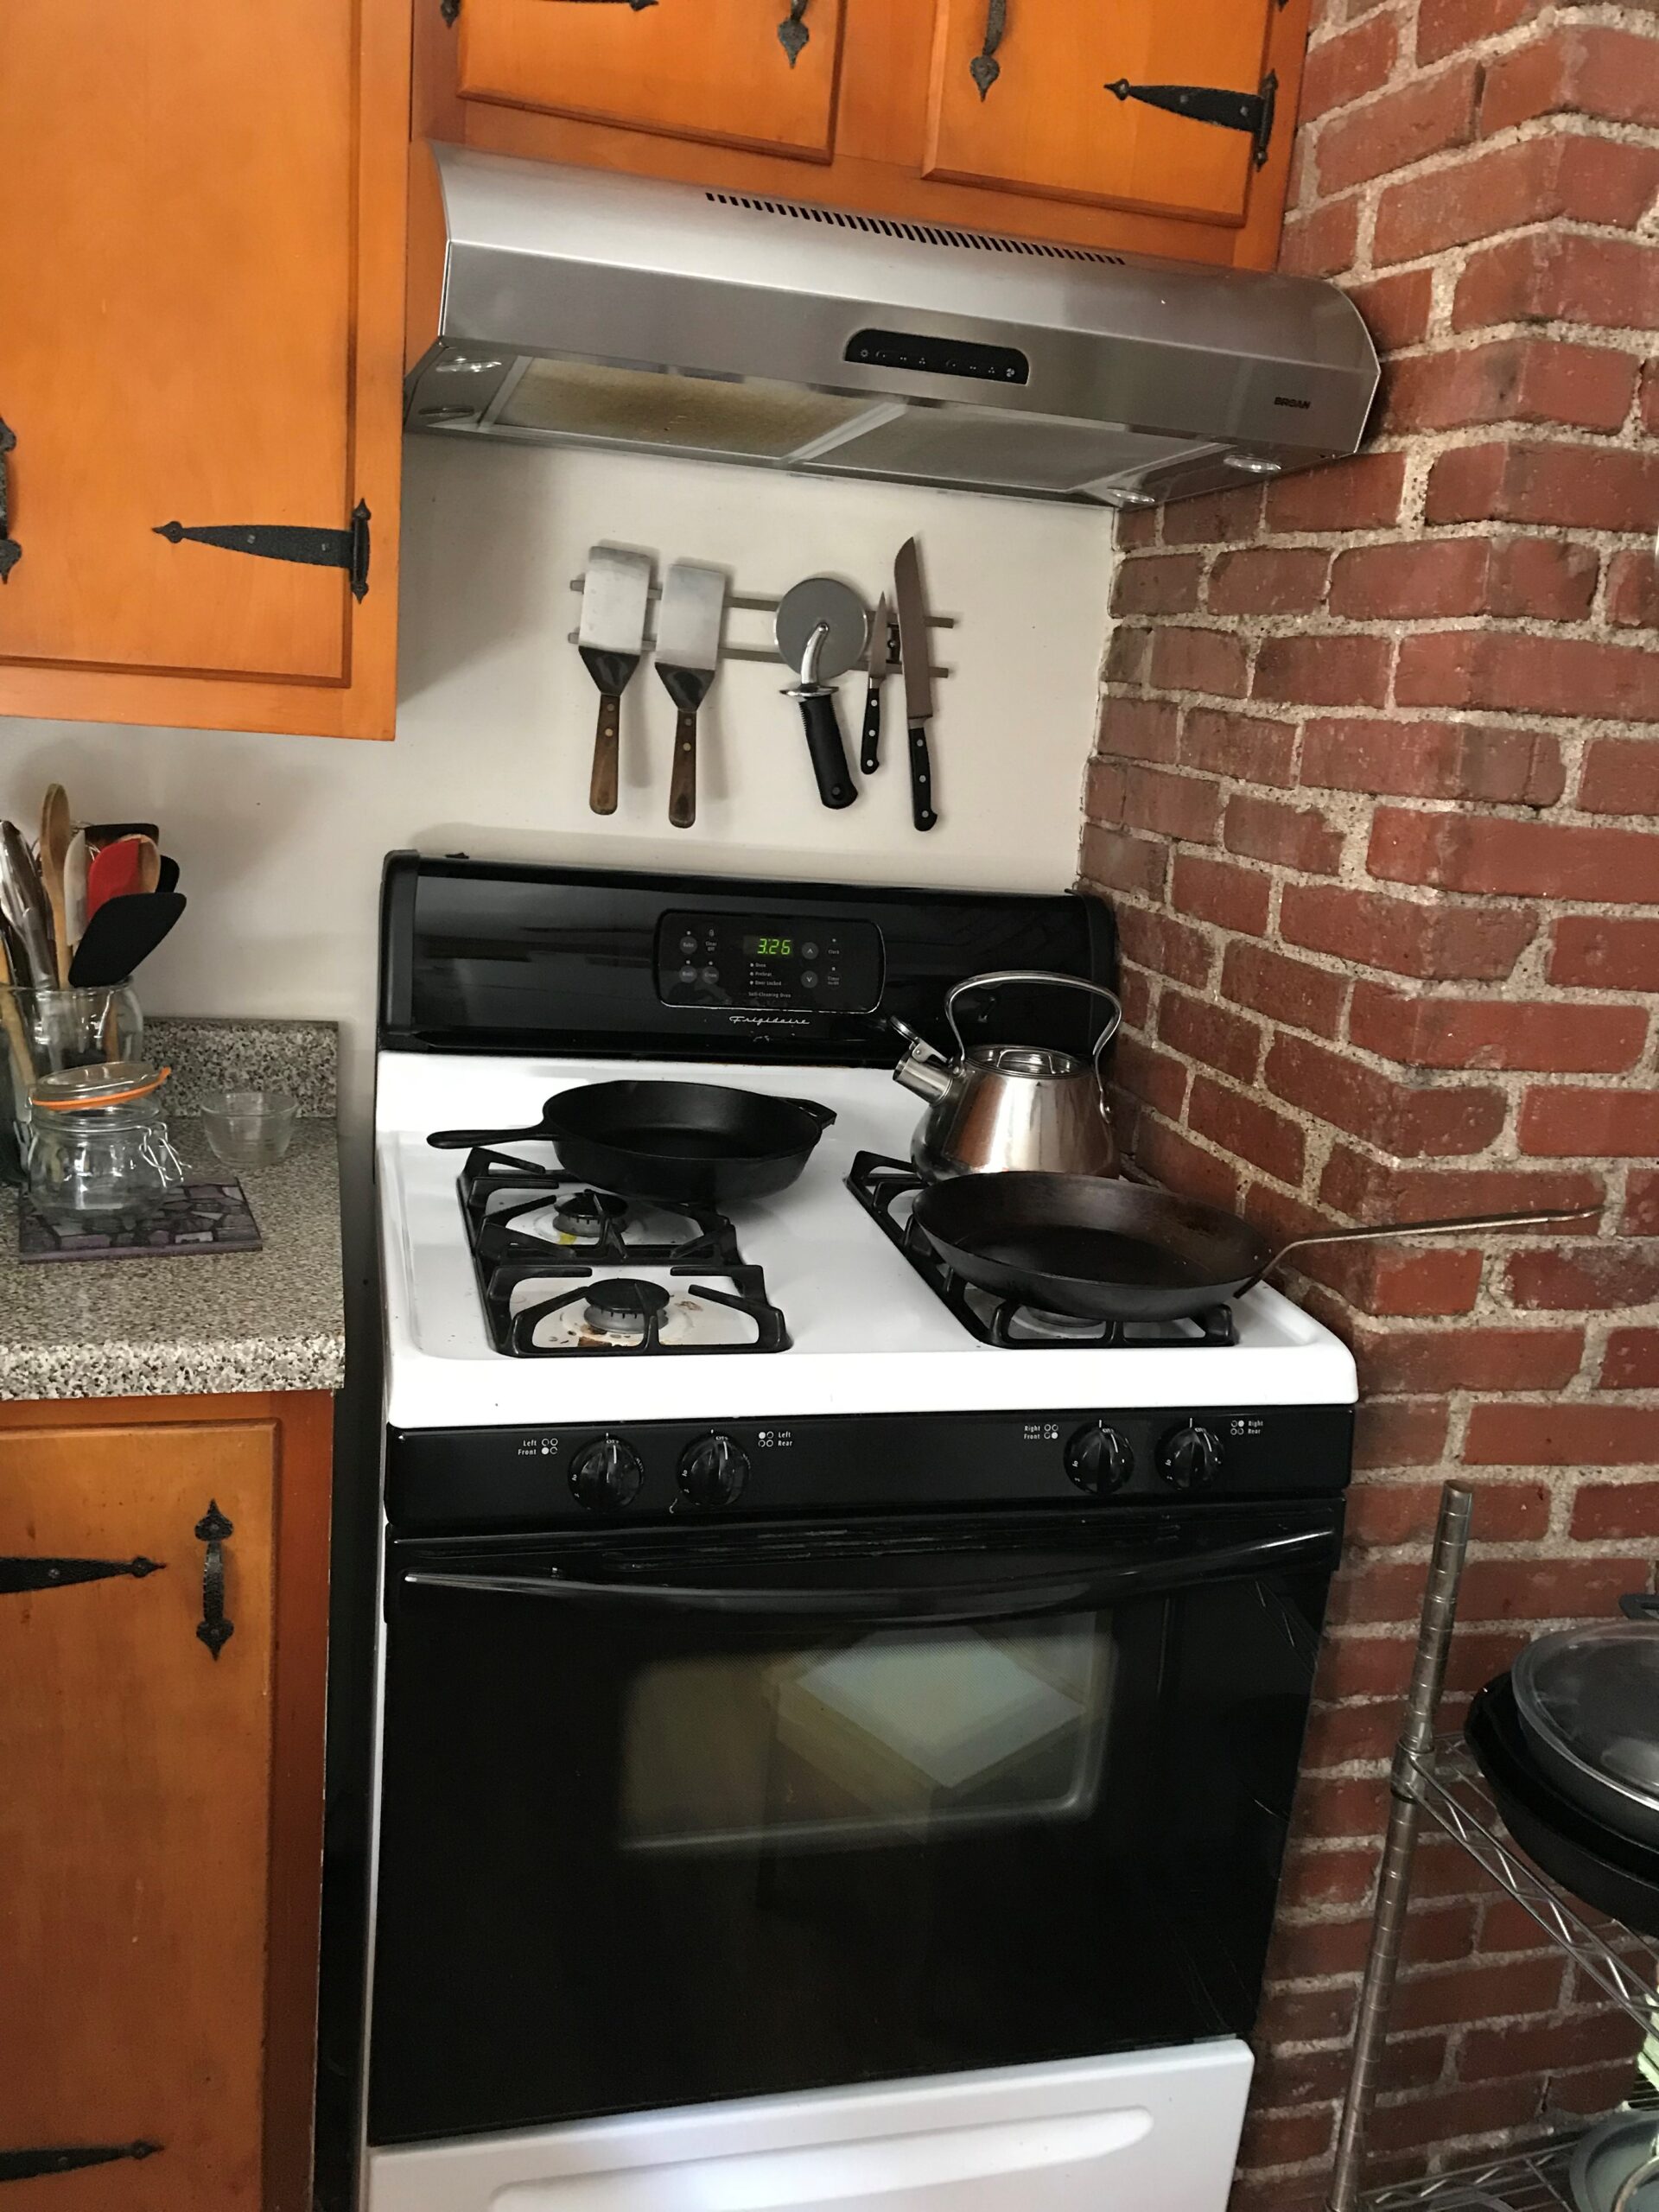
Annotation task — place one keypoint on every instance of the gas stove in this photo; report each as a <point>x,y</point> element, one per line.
<point>910,1685</point>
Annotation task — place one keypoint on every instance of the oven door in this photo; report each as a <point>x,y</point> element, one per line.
<point>700,1814</point>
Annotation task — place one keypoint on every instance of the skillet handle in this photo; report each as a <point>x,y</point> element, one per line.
<point>1452,1225</point>
<point>465,1140</point>
<point>824,1116</point>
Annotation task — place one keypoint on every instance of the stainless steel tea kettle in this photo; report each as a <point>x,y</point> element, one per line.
<point>1000,1107</point>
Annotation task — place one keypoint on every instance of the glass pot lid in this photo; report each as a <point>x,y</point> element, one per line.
<point>1595,1692</point>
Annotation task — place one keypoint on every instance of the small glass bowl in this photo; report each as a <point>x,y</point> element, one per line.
<point>249,1129</point>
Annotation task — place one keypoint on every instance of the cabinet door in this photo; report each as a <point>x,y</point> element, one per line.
<point>1063,96</point>
<point>739,72</point>
<point>202,257</point>
<point>134,1813</point>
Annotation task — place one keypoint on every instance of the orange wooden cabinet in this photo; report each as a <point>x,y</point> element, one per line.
<point>1155,129</point>
<point>200,364</point>
<point>164,1621</point>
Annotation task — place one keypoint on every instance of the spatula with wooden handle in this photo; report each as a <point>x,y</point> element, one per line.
<point>616,592</point>
<point>688,656</point>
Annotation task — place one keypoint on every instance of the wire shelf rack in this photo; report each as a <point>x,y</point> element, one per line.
<point>1530,2181</point>
<point>1623,1967</point>
<point>1436,1779</point>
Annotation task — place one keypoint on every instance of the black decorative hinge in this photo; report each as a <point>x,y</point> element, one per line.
<point>213,1630</point>
<point>792,33</point>
<point>1251,112</point>
<point>985,69</point>
<point>20,1576</point>
<point>29,2165</point>
<point>10,551</point>
<point>346,549</point>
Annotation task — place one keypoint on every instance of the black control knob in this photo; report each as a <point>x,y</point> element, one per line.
<point>605,1475</point>
<point>1099,1460</point>
<point>713,1473</point>
<point>1189,1457</point>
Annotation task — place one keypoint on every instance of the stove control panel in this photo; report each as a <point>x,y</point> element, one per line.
<point>477,1480</point>
<point>768,963</point>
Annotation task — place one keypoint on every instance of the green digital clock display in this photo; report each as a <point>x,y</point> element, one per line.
<point>769,947</point>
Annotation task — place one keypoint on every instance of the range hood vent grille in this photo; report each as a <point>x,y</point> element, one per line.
<point>917,233</point>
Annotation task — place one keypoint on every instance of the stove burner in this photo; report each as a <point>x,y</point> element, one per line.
<point>529,1224</point>
<point>879,1184</point>
<point>621,1307</point>
<point>588,1211</point>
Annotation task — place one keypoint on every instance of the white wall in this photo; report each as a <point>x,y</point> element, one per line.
<point>281,839</point>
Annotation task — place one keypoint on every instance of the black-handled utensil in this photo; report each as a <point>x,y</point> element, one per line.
<point>688,657</point>
<point>123,934</point>
<point>822,631</point>
<point>869,758</point>
<point>915,653</point>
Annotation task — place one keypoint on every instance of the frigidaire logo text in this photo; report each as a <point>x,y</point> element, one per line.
<point>772,1021</point>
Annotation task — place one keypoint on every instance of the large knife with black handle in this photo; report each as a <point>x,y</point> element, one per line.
<point>915,655</point>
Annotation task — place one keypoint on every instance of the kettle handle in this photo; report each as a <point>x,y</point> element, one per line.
<point>1114,1023</point>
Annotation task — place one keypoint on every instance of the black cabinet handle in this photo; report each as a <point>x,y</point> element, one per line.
<point>985,69</point>
<point>66,2159</point>
<point>19,1576</point>
<point>10,551</point>
<point>214,1630</point>
<point>792,33</point>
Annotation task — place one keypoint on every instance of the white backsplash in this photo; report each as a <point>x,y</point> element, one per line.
<point>281,839</point>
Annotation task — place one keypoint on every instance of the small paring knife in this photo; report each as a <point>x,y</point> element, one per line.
<point>688,657</point>
<point>616,592</point>
<point>869,758</point>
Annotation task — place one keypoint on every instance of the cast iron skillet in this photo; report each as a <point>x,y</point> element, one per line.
<point>1110,1250</point>
<point>700,1143</point>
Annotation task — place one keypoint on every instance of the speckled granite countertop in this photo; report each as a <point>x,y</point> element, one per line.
<point>269,1320</point>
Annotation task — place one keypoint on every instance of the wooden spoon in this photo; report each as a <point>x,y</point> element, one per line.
<point>57,827</point>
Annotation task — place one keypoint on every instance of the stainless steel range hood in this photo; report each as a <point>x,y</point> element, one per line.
<point>581,308</point>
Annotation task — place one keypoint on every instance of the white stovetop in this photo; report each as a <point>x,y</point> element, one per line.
<point>868,1336</point>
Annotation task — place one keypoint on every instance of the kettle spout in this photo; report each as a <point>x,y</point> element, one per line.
<point>929,1078</point>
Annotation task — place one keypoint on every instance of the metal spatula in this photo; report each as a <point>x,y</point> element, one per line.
<point>688,654</point>
<point>614,596</point>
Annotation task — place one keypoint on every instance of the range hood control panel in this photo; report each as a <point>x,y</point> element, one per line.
<point>769,964</point>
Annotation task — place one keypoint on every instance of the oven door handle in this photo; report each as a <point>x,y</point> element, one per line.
<point>1019,1596</point>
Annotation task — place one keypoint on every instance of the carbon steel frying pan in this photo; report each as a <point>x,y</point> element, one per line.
<point>1107,1250</point>
<point>701,1142</point>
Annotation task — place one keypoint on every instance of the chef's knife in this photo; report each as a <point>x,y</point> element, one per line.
<point>915,653</point>
<point>687,655</point>
<point>616,592</point>
<point>880,668</point>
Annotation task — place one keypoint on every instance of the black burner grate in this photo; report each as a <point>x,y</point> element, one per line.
<point>879,1184</point>
<point>497,1190</point>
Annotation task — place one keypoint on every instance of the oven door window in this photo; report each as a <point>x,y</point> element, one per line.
<point>712,1817</point>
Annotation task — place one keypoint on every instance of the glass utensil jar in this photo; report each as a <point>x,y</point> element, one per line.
<point>97,1144</point>
<point>44,1031</point>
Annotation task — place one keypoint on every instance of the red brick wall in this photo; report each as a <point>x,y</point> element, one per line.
<point>1374,795</point>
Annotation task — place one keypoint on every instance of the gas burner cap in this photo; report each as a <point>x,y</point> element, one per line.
<point>624,1304</point>
<point>1032,1320</point>
<point>589,1210</point>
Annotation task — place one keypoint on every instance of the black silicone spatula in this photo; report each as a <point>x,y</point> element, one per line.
<point>124,932</point>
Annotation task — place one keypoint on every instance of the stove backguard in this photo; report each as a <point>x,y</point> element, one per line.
<point>480,957</point>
